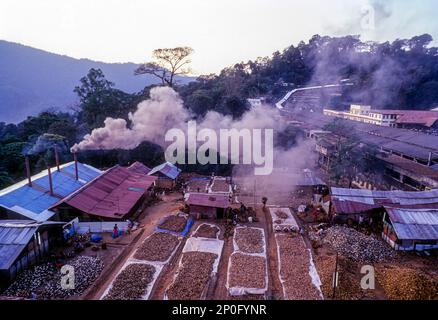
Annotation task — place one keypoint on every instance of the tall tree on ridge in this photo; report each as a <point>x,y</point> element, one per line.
<point>167,64</point>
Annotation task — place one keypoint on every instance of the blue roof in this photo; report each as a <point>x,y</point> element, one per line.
<point>14,237</point>
<point>33,202</point>
<point>168,169</point>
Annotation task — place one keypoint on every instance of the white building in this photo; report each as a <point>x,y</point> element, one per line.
<point>364,113</point>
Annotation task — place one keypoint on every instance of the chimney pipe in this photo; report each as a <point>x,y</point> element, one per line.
<point>27,162</point>
<point>57,159</point>
<point>50,180</point>
<point>76,165</point>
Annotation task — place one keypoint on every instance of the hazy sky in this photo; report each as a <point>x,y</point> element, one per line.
<point>222,32</point>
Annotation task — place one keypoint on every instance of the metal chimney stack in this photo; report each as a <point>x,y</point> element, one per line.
<point>76,165</point>
<point>27,162</point>
<point>57,159</point>
<point>50,180</point>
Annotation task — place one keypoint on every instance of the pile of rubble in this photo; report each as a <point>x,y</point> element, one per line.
<point>408,284</point>
<point>250,240</point>
<point>193,276</point>
<point>356,245</point>
<point>174,223</point>
<point>131,283</point>
<point>247,271</point>
<point>44,281</point>
<point>207,231</point>
<point>158,247</point>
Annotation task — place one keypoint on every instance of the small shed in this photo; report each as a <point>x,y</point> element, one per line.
<point>343,211</point>
<point>207,205</point>
<point>24,243</point>
<point>167,174</point>
<point>411,229</point>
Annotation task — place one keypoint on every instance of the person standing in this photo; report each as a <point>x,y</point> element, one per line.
<point>115,231</point>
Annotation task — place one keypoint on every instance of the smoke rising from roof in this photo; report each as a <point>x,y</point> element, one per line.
<point>153,117</point>
<point>163,111</point>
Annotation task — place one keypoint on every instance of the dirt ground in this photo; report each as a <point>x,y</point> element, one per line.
<point>148,219</point>
<point>120,250</point>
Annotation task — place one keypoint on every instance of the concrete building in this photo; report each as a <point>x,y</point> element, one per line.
<point>365,114</point>
<point>407,119</point>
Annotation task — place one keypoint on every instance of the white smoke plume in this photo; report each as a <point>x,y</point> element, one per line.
<point>163,111</point>
<point>279,186</point>
<point>153,117</point>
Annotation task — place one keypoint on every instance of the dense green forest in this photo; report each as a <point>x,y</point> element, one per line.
<point>400,74</point>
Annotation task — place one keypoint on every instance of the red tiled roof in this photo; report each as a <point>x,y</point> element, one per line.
<point>138,167</point>
<point>208,200</point>
<point>111,195</point>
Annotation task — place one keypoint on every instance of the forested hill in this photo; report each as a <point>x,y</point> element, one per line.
<point>400,74</point>
<point>33,80</point>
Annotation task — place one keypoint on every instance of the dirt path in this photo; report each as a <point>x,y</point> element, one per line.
<point>275,288</point>
<point>148,219</point>
<point>221,292</point>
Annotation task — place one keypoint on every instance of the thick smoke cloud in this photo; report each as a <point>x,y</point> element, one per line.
<point>163,111</point>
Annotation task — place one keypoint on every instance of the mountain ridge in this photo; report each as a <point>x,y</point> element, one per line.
<point>33,80</point>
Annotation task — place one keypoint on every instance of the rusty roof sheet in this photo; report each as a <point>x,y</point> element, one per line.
<point>208,200</point>
<point>425,118</point>
<point>410,224</point>
<point>351,207</point>
<point>138,167</point>
<point>111,195</point>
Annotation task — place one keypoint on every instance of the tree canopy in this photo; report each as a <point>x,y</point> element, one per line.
<point>167,63</point>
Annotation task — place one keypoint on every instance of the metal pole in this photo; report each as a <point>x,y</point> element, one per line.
<point>57,159</point>
<point>255,192</point>
<point>76,165</point>
<point>50,180</point>
<point>28,172</point>
<point>335,278</point>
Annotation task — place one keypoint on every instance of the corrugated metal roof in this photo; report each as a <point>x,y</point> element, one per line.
<point>139,167</point>
<point>168,169</point>
<point>426,118</point>
<point>379,197</point>
<point>351,207</point>
<point>412,224</point>
<point>14,237</point>
<point>208,200</point>
<point>410,143</point>
<point>111,195</point>
<point>34,202</point>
